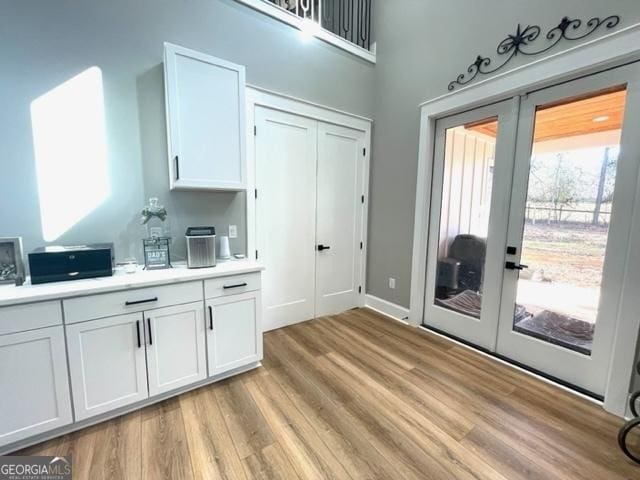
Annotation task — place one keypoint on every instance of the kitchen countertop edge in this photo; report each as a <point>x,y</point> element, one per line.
<point>12,295</point>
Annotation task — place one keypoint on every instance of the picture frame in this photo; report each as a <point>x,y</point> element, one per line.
<point>11,261</point>
<point>156,253</point>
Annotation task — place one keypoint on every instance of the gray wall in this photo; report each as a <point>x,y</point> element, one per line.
<point>43,43</point>
<point>422,45</point>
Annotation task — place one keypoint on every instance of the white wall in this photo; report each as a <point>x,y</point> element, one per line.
<point>466,186</point>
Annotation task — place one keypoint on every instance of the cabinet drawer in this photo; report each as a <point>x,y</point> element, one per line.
<point>20,318</point>
<point>130,301</point>
<point>218,287</point>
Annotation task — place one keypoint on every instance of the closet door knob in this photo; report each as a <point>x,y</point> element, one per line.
<point>323,247</point>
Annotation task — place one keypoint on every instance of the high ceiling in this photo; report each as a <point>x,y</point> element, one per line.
<point>578,116</point>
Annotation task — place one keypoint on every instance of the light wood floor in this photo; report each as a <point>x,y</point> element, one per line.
<point>358,396</point>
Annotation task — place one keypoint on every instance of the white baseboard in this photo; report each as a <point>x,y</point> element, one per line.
<point>387,308</point>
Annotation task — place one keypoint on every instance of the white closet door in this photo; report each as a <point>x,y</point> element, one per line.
<point>286,154</point>
<point>339,217</point>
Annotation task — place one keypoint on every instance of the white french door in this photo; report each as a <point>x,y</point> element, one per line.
<point>580,139</point>
<point>309,216</point>
<point>473,164</point>
<point>537,279</point>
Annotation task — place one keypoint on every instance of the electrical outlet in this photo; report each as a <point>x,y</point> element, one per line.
<point>392,283</point>
<point>233,231</point>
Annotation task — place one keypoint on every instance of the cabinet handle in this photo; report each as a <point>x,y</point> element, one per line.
<point>149,326</point>
<point>177,168</point>
<point>210,318</point>
<point>138,302</point>
<point>138,332</point>
<point>225,287</point>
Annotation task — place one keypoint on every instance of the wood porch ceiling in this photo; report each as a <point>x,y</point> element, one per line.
<point>602,112</point>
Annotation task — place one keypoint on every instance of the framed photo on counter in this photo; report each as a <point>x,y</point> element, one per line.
<point>156,253</point>
<point>11,262</point>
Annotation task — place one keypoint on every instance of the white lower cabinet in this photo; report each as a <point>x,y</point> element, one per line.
<point>35,389</point>
<point>176,354</point>
<point>234,331</point>
<point>120,351</point>
<point>112,358</point>
<point>107,364</point>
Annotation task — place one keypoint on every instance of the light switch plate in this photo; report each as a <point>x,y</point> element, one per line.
<point>233,231</point>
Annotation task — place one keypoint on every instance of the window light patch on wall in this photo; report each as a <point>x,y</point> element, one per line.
<point>70,147</point>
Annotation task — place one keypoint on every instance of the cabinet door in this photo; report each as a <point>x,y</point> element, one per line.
<point>234,332</point>
<point>34,384</point>
<point>205,120</point>
<point>176,354</point>
<point>107,364</point>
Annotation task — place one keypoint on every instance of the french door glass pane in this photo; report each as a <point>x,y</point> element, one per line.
<point>571,185</point>
<point>464,215</point>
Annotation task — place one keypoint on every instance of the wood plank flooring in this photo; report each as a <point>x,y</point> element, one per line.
<point>358,396</point>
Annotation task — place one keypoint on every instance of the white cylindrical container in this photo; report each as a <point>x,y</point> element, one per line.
<point>225,251</point>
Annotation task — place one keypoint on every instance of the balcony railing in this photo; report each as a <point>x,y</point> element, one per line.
<point>349,19</point>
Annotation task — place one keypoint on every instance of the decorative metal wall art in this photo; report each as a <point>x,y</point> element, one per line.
<point>518,43</point>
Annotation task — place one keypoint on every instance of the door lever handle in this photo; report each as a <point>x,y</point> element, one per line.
<point>515,266</point>
<point>323,247</point>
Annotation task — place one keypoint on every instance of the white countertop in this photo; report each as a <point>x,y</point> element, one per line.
<point>27,293</point>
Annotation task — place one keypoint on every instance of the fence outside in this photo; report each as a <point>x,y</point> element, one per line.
<point>584,213</point>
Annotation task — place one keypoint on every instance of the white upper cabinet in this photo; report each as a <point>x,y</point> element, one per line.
<point>205,100</point>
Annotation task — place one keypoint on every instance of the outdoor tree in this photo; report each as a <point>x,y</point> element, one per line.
<point>555,181</point>
<point>606,181</point>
